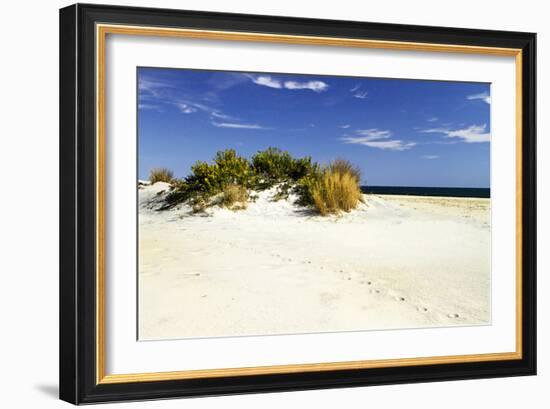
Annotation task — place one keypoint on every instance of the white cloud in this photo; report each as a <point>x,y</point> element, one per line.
<point>355,88</point>
<point>345,126</point>
<point>377,138</point>
<point>269,81</point>
<point>316,86</point>
<point>430,157</point>
<point>373,133</point>
<point>392,144</point>
<point>237,126</point>
<point>266,81</point>
<point>432,119</point>
<point>186,108</point>
<point>471,134</point>
<point>483,96</point>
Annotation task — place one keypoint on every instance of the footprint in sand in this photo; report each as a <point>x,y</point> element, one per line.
<point>192,274</point>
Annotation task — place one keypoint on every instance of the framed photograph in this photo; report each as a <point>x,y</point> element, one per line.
<point>258,204</point>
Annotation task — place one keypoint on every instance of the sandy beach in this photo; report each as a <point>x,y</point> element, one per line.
<point>275,268</point>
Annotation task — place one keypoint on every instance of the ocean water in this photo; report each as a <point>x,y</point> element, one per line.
<point>428,191</point>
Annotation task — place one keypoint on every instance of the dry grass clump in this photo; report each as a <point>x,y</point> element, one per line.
<point>235,197</point>
<point>344,166</point>
<point>161,175</point>
<point>336,190</point>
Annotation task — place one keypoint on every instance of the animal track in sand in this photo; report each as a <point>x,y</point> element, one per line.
<point>453,315</point>
<point>422,309</point>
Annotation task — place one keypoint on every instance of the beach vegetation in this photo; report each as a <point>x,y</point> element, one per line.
<point>335,190</point>
<point>342,166</point>
<point>273,166</point>
<point>228,179</point>
<point>199,203</point>
<point>235,197</point>
<point>160,175</point>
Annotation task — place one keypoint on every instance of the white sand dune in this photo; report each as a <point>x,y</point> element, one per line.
<point>274,268</point>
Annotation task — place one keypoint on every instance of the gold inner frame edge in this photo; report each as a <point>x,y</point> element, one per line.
<point>101,33</point>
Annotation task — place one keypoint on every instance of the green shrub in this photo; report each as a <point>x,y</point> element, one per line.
<point>203,178</point>
<point>231,169</point>
<point>207,179</point>
<point>304,186</point>
<point>160,175</point>
<point>272,165</point>
<point>179,192</point>
<point>302,167</point>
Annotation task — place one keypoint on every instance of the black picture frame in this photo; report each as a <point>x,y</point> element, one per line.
<point>78,312</point>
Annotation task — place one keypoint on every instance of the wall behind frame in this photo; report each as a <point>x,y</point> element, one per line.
<point>29,205</point>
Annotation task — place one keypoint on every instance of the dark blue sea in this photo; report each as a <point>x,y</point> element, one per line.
<point>428,191</point>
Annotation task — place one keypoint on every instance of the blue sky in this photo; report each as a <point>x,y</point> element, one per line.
<point>399,132</point>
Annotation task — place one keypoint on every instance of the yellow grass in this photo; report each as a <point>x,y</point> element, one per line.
<point>336,191</point>
<point>161,175</point>
<point>235,197</point>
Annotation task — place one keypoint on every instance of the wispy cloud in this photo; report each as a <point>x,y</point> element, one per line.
<point>345,126</point>
<point>237,125</point>
<point>222,81</point>
<point>471,134</point>
<point>432,119</point>
<point>361,94</point>
<point>377,138</point>
<point>271,82</point>
<point>358,92</point>
<point>430,157</point>
<point>220,115</point>
<point>151,86</point>
<point>484,96</point>
<point>149,106</point>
